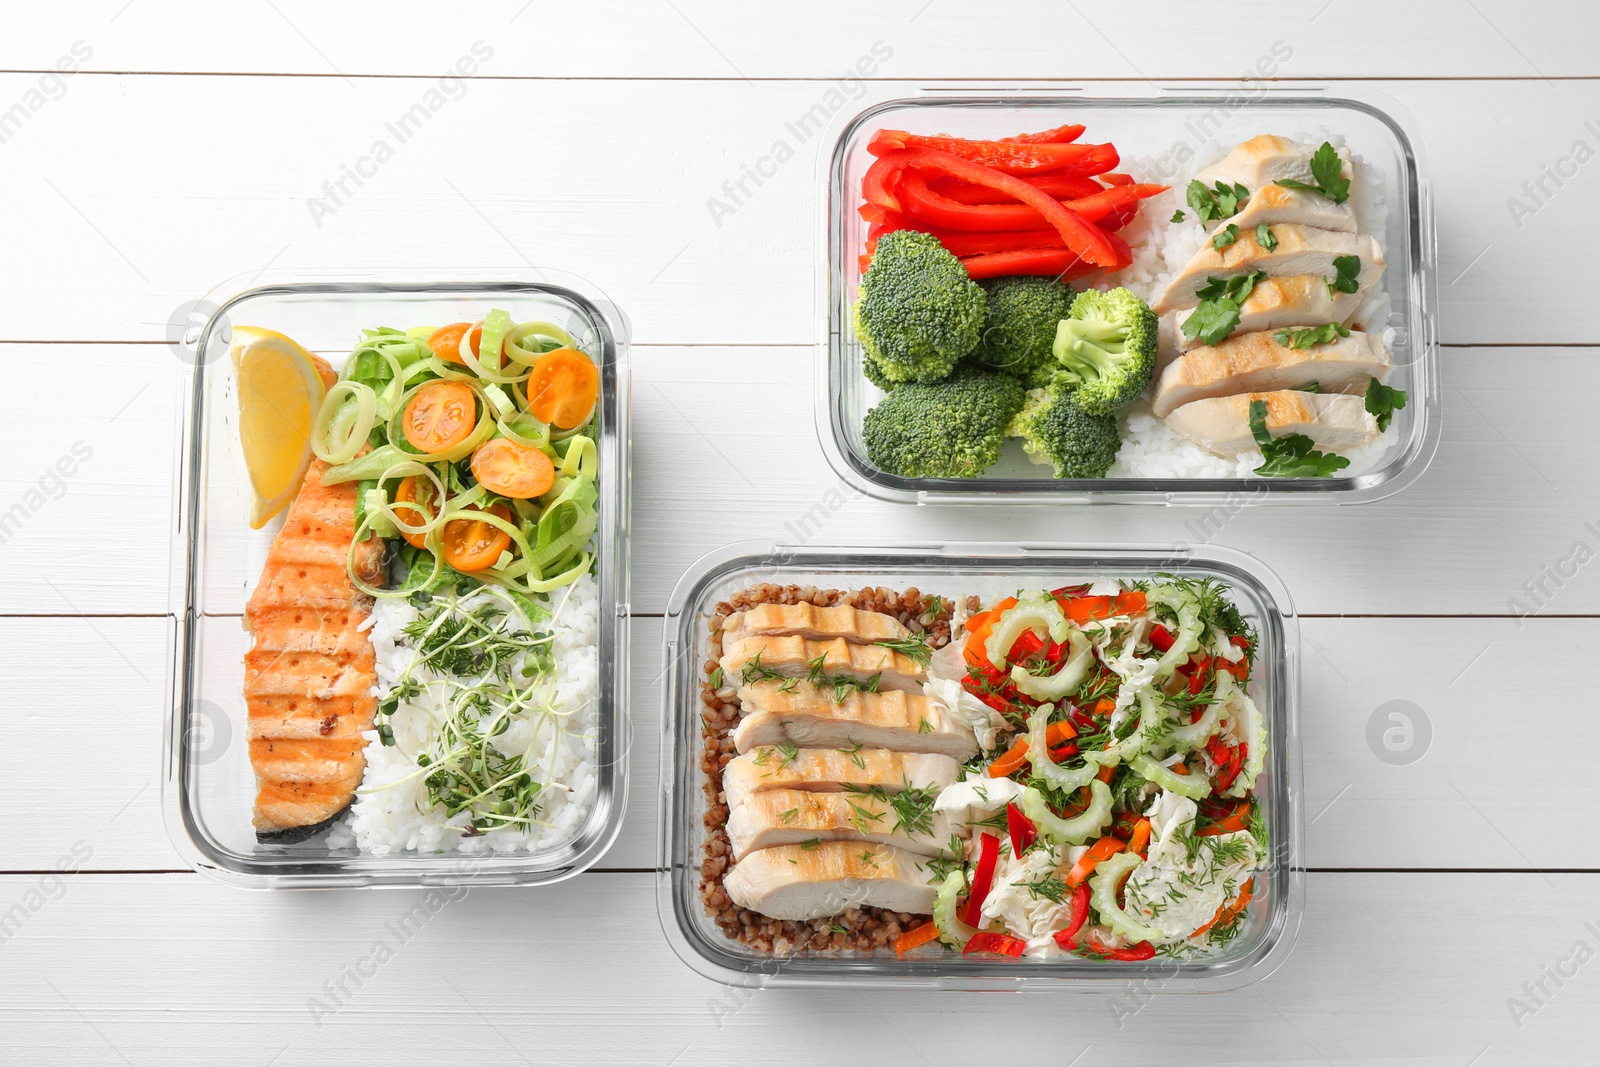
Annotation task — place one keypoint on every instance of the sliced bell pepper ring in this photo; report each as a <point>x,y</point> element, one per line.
<point>1057,184</point>
<point>1020,827</point>
<point>1060,135</point>
<point>1082,237</point>
<point>916,938</point>
<point>1226,911</point>
<point>1144,950</point>
<point>1008,157</point>
<point>1103,849</point>
<point>1067,937</point>
<point>987,942</point>
<point>1049,262</point>
<point>982,879</point>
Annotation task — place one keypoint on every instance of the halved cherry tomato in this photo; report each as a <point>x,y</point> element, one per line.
<point>503,466</point>
<point>563,387</point>
<point>445,342</point>
<point>440,416</point>
<point>473,544</point>
<point>421,512</point>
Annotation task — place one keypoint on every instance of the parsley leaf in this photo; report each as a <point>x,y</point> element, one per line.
<point>1326,168</point>
<point>1311,335</point>
<point>1348,269</point>
<point>1218,312</point>
<point>1177,216</point>
<point>1265,237</point>
<point>1220,202</point>
<point>1225,237</point>
<point>1383,402</point>
<point>1309,387</point>
<point>1290,456</point>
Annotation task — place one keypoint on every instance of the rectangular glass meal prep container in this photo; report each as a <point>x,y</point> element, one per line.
<point>1161,125</point>
<point>208,787</point>
<point>991,571</point>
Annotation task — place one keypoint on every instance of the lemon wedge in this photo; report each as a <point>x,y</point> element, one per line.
<point>280,387</point>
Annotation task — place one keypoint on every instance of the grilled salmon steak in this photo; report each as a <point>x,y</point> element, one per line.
<point>308,680</point>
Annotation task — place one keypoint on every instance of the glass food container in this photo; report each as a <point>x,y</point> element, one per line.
<point>1163,136</point>
<point>991,571</point>
<point>208,785</point>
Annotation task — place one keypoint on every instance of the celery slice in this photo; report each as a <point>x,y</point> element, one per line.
<point>1256,734</point>
<point>1065,681</point>
<point>1193,786</point>
<point>1194,735</point>
<point>1152,721</point>
<point>1186,642</point>
<point>1074,831</point>
<point>952,931</point>
<point>1108,875</point>
<point>1059,777</point>
<point>1034,610</point>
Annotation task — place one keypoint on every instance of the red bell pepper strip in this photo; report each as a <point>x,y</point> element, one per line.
<point>1067,937</point>
<point>1144,950</point>
<point>916,938</point>
<point>1063,752</point>
<point>1117,179</point>
<point>1021,829</point>
<point>1082,237</point>
<point>982,879</point>
<point>1082,609</point>
<point>1226,911</point>
<point>1198,672</point>
<point>1059,185</point>
<point>1009,157</point>
<point>1160,638</point>
<point>964,245</point>
<point>1059,135</point>
<point>1028,644</point>
<point>999,944</point>
<point>1051,262</point>
<point>1231,823</point>
<point>929,205</point>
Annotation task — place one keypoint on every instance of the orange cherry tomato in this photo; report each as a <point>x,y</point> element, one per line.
<point>473,544</point>
<point>563,387</point>
<point>440,415</point>
<point>445,342</point>
<point>510,469</point>
<point>421,512</point>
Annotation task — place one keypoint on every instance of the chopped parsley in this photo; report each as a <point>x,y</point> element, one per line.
<point>1347,272</point>
<point>1225,237</point>
<point>1383,402</point>
<point>1177,216</point>
<point>1218,312</point>
<point>1265,237</point>
<point>1305,337</point>
<point>1292,455</point>
<point>1219,202</point>
<point>1326,170</point>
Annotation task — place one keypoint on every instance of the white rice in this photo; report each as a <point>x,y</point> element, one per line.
<point>392,811</point>
<point>1161,248</point>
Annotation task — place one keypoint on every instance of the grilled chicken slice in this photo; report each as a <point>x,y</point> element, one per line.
<point>827,770</point>
<point>815,881</point>
<point>810,718</point>
<point>1300,250</point>
<point>1273,204</point>
<point>1334,422</point>
<point>1262,160</point>
<point>309,676</point>
<point>1298,300</point>
<point>791,656</point>
<point>810,621</point>
<point>790,816</point>
<point>1257,363</point>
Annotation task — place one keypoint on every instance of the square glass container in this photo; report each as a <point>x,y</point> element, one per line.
<point>208,787</point>
<point>1167,126</point>
<point>991,571</point>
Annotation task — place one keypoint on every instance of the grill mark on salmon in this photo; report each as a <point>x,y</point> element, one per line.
<point>309,676</point>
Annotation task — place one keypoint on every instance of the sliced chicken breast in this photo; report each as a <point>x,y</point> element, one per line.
<point>827,770</point>
<point>816,881</point>
<point>791,816</point>
<point>1334,422</point>
<point>1297,300</point>
<point>810,621</point>
<point>1275,204</point>
<point>1257,363</point>
<point>1300,250</point>
<point>810,718</point>
<point>790,656</point>
<point>1262,160</point>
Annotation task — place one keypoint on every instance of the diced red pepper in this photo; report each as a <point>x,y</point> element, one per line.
<point>1021,829</point>
<point>1059,135</point>
<point>986,942</point>
<point>1067,938</point>
<point>1082,237</point>
<point>1008,157</point>
<point>982,879</point>
<point>1028,644</point>
<point>1063,752</point>
<point>1161,638</point>
<point>1199,673</point>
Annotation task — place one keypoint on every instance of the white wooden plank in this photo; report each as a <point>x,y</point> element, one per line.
<point>1390,969</point>
<point>214,175</point>
<point>699,38</point>
<point>95,685</point>
<point>1507,497</point>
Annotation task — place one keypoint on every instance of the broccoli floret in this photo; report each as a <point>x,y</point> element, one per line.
<point>918,313</point>
<point>1020,330</point>
<point>1107,348</point>
<point>874,374</point>
<point>1056,430</point>
<point>948,429</point>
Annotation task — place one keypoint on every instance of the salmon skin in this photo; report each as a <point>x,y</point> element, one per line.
<point>309,676</point>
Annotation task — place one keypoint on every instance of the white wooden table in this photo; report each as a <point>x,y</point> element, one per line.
<point>1442,893</point>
